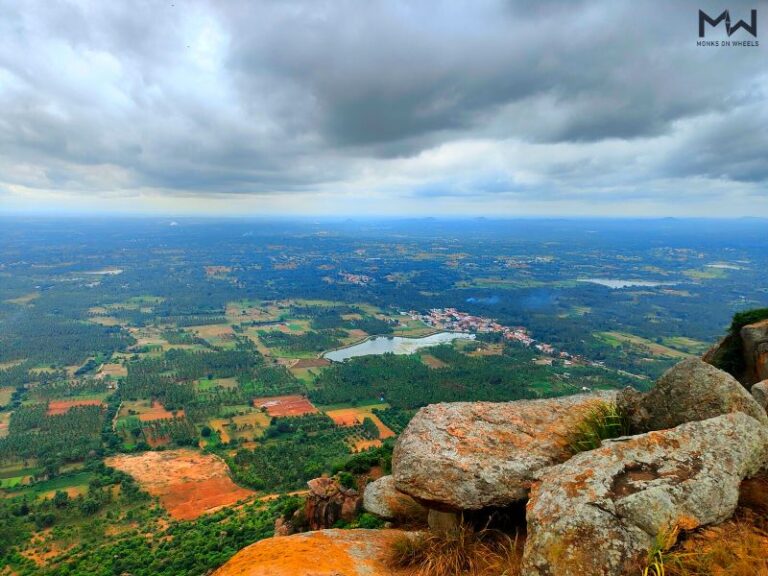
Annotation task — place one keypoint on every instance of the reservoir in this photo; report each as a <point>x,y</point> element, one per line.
<point>395,345</point>
<point>615,284</point>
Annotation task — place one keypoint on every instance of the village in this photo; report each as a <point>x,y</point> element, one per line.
<point>453,320</point>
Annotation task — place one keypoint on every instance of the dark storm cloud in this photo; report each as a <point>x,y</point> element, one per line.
<point>262,97</point>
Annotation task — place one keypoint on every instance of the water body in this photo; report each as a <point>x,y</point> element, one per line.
<point>394,344</point>
<point>614,284</point>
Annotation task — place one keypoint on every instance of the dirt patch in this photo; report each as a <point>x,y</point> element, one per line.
<point>432,362</point>
<point>188,483</point>
<point>355,416</point>
<point>158,412</point>
<point>311,363</point>
<point>293,405</point>
<point>113,370</point>
<point>361,445</point>
<point>56,407</point>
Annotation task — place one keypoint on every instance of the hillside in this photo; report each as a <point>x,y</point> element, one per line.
<point>671,481</point>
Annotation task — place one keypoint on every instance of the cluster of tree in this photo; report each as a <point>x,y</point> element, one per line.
<point>394,418</point>
<point>312,341</point>
<point>67,437</point>
<point>45,339</point>
<point>405,382</point>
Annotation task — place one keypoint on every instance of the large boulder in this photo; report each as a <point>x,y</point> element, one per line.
<point>383,499</point>
<point>759,392</point>
<point>754,338</point>
<point>323,553</point>
<point>472,455</point>
<point>600,512</point>
<point>328,502</point>
<point>689,391</point>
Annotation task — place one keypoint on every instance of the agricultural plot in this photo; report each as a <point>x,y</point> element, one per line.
<point>146,411</point>
<point>5,419</point>
<point>355,416</point>
<point>188,483</point>
<point>112,370</point>
<point>653,348</point>
<point>217,334</point>
<point>246,426</point>
<point>291,405</point>
<point>56,407</point>
<point>5,395</point>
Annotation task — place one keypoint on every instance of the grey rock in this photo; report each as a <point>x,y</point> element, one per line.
<point>760,393</point>
<point>383,499</point>
<point>754,339</point>
<point>689,391</point>
<point>600,512</point>
<point>471,455</point>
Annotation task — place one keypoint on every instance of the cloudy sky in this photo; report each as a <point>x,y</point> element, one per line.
<point>540,107</point>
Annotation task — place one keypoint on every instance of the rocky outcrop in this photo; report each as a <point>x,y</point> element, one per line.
<point>760,393</point>
<point>689,391</point>
<point>600,512</point>
<point>323,553</point>
<point>328,502</point>
<point>754,338</point>
<point>383,499</point>
<point>471,455</point>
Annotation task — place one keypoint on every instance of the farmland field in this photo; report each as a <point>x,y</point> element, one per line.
<point>188,483</point>
<point>291,405</point>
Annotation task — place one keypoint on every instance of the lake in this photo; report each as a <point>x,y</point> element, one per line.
<point>394,344</point>
<point>614,284</point>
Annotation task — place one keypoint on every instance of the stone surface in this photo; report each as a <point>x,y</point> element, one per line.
<point>600,512</point>
<point>323,553</point>
<point>760,393</point>
<point>443,521</point>
<point>754,338</point>
<point>689,391</point>
<point>328,502</point>
<point>471,455</point>
<point>383,499</point>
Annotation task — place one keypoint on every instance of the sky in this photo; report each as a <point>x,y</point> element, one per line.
<point>381,108</point>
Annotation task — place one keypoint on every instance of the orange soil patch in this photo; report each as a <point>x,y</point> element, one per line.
<point>311,363</point>
<point>432,362</point>
<point>293,405</point>
<point>361,445</point>
<point>158,412</point>
<point>56,407</point>
<point>188,483</point>
<point>355,416</point>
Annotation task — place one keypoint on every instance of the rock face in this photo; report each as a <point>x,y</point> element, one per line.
<point>323,553</point>
<point>754,338</point>
<point>600,512</point>
<point>689,391</point>
<point>471,455</point>
<point>383,499</point>
<point>328,502</point>
<point>760,393</point>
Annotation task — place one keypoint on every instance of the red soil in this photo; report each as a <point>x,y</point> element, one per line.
<point>56,407</point>
<point>188,483</point>
<point>294,405</point>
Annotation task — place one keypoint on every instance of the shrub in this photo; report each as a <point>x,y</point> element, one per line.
<point>601,422</point>
<point>460,551</point>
